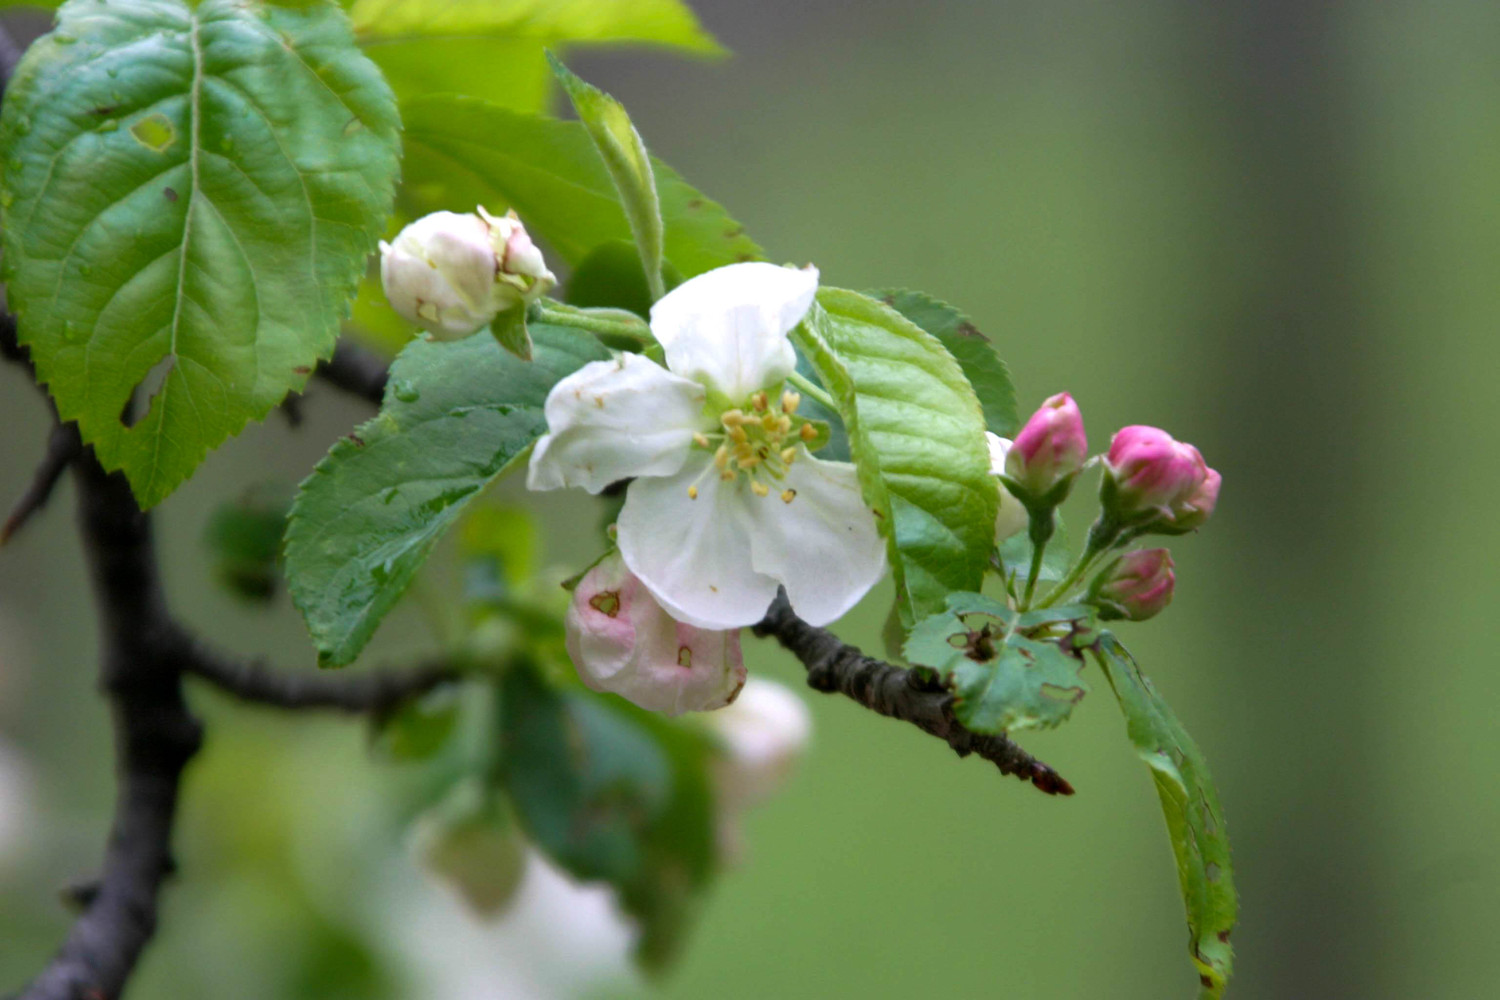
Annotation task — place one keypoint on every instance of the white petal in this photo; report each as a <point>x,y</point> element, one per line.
<point>613,419</point>
<point>1011,516</point>
<point>728,327</point>
<point>823,545</point>
<point>694,554</point>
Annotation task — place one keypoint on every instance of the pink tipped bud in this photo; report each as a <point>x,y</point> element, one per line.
<point>1051,448</point>
<point>622,641</point>
<point>1153,478</point>
<point>1136,586</point>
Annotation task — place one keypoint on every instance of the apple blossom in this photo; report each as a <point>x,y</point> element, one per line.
<point>1011,517</point>
<point>451,274</point>
<point>726,503</point>
<point>1152,479</point>
<point>1136,586</point>
<point>1049,452</point>
<point>763,734</point>
<point>621,640</point>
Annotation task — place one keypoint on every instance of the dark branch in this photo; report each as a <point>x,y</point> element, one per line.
<point>375,692</point>
<point>356,371</point>
<point>63,446</point>
<point>896,693</point>
<point>155,736</point>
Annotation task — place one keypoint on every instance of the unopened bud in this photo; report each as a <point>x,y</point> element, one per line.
<point>1050,451</point>
<point>1155,481</point>
<point>451,274</point>
<point>1011,516</point>
<point>1136,586</point>
<point>621,640</point>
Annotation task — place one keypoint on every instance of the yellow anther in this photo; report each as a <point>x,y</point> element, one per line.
<point>790,401</point>
<point>759,401</point>
<point>738,435</point>
<point>728,477</point>
<point>692,492</point>
<point>760,489</point>
<point>748,462</point>
<point>788,455</point>
<point>787,496</point>
<point>784,424</point>
<point>721,457</point>
<point>700,439</point>
<point>770,422</point>
<point>808,432</point>
<point>732,418</point>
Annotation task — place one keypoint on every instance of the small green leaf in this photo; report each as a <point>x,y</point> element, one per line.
<point>509,329</point>
<point>615,794</point>
<point>624,154</point>
<point>970,348</point>
<point>916,434</point>
<point>1190,803</point>
<point>1007,671</point>
<point>190,195</point>
<point>465,152</point>
<point>456,416</point>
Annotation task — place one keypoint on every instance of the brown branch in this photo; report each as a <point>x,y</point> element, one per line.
<point>63,446</point>
<point>375,691</point>
<point>833,666</point>
<point>356,371</point>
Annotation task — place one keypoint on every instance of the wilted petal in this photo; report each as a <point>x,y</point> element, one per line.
<point>817,538</point>
<point>728,327</point>
<point>694,554</point>
<point>614,419</point>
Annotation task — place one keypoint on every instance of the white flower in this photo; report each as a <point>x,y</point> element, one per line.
<point>622,641</point>
<point>451,274</point>
<point>726,504</point>
<point>1012,516</point>
<point>763,734</point>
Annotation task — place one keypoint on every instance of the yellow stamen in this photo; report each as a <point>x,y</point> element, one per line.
<point>760,489</point>
<point>758,400</point>
<point>770,422</point>
<point>732,418</point>
<point>808,432</point>
<point>738,434</point>
<point>784,424</point>
<point>728,477</point>
<point>788,455</point>
<point>692,492</point>
<point>700,439</point>
<point>790,401</point>
<point>721,457</point>
<point>787,496</point>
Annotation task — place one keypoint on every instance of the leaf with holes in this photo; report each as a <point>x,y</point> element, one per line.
<point>1190,804</point>
<point>464,152</point>
<point>455,417</point>
<point>190,195</point>
<point>916,435</point>
<point>615,794</point>
<point>1007,670</point>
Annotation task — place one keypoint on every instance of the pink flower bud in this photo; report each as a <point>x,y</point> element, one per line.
<point>622,641</point>
<point>1051,448</point>
<point>1152,477</point>
<point>1136,586</point>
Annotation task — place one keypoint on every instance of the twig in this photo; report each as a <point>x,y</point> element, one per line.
<point>898,694</point>
<point>155,737</point>
<point>376,691</point>
<point>63,446</point>
<point>356,371</point>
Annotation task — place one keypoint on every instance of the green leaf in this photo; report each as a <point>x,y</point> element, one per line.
<point>916,434</point>
<point>624,154</point>
<point>616,794</point>
<point>455,417</point>
<point>970,348</point>
<point>611,276</point>
<point>1007,671</point>
<point>190,195</point>
<point>243,538</point>
<point>464,152</point>
<point>1190,803</point>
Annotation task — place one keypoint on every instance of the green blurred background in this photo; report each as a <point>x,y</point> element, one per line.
<point>1271,226</point>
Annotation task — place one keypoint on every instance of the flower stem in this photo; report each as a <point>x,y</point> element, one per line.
<point>1085,560</point>
<point>807,388</point>
<point>1043,524</point>
<point>615,322</point>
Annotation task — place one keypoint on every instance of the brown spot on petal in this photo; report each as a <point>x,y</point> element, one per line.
<point>606,602</point>
<point>684,657</point>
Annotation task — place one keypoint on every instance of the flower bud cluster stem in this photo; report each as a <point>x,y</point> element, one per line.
<point>600,322</point>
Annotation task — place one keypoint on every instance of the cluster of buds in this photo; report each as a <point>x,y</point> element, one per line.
<point>1153,484</point>
<point>452,274</point>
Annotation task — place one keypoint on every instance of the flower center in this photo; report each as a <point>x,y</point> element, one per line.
<point>759,442</point>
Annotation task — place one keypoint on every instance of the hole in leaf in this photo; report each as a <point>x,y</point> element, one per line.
<point>146,389</point>
<point>155,132</point>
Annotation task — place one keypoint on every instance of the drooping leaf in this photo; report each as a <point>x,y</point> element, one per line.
<point>463,152</point>
<point>916,434</point>
<point>616,794</point>
<point>1190,803</point>
<point>190,195</point>
<point>455,417</point>
<point>624,154</point>
<point>1008,671</point>
<point>970,348</point>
